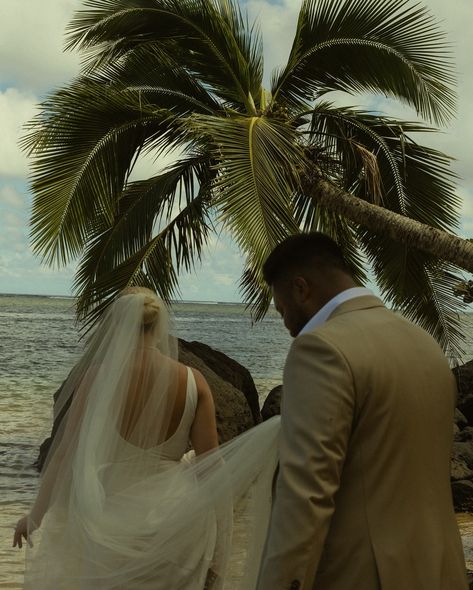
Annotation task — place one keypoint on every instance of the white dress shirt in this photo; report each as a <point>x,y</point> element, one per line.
<point>323,314</point>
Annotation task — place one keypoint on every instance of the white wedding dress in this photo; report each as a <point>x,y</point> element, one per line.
<point>140,512</point>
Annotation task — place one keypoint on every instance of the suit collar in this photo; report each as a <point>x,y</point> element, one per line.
<point>326,311</point>
<point>356,304</point>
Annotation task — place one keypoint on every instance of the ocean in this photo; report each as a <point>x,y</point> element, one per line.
<point>39,343</point>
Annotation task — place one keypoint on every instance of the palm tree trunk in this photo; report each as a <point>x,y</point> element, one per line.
<point>436,242</point>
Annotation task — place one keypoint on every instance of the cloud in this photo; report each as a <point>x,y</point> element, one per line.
<point>20,270</point>
<point>465,195</point>
<point>10,197</point>
<point>216,278</point>
<point>16,108</point>
<point>31,52</point>
<point>466,228</point>
<point>148,165</point>
<point>278,25</point>
<point>13,220</point>
<point>21,273</point>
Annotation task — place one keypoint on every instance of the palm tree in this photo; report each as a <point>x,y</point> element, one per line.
<point>187,75</point>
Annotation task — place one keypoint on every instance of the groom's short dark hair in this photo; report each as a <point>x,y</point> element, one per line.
<point>303,252</point>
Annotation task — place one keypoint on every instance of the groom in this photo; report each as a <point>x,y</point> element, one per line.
<point>363,498</point>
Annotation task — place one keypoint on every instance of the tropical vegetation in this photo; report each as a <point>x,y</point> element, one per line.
<point>187,77</point>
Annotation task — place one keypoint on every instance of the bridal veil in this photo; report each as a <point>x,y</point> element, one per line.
<point>114,511</point>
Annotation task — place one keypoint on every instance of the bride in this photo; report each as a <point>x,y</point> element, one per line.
<point>122,504</point>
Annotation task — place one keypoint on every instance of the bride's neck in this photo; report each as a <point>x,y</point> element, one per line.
<point>149,341</point>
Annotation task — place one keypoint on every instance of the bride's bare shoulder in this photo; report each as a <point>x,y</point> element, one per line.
<point>203,387</point>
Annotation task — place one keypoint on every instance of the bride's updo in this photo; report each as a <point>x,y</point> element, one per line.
<point>151,306</point>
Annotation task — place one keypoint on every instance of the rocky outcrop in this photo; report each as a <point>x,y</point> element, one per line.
<point>464,377</point>
<point>462,493</point>
<point>227,369</point>
<point>272,403</point>
<point>462,455</point>
<point>462,465</point>
<point>233,388</point>
<point>45,445</point>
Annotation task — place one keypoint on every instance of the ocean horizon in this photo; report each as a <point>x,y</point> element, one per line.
<point>72,297</point>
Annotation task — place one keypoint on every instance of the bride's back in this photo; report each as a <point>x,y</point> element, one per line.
<point>154,375</point>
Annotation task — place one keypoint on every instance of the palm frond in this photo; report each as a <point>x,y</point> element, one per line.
<point>246,44</point>
<point>160,78</point>
<point>394,48</point>
<point>143,206</point>
<point>258,163</point>
<point>414,180</point>
<point>419,286</point>
<point>255,292</point>
<point>175,244</point>
<point>161,74</point>
<point>210,38</point>
<point>258,172</point>
<point>84,144</point>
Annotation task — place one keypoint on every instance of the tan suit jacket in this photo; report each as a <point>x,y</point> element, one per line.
<point>363,498</point>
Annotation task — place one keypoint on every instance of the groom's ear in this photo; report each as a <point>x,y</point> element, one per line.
<point>300,289</point>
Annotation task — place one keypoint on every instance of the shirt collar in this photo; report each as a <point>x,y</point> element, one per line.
<point>324,313</point>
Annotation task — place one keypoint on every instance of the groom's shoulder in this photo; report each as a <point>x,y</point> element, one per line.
<point>319,340</point>
<point>363,328</point>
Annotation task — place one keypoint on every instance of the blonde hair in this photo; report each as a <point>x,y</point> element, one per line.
<point>151,306</point>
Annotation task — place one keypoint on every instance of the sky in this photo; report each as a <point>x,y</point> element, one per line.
<point>33,63</point>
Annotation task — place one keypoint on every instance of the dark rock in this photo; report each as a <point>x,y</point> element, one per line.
<point>228,370</point>
<point>43,451</point>
<point>464,451</point>
<point>463,495</point>
<point>465,435</point>
<point>456,432</point>
<point>464,377</point>
<point>272,404</point>
<point>460,419</point>
<point>459,470</point>
<point>46,444</point>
